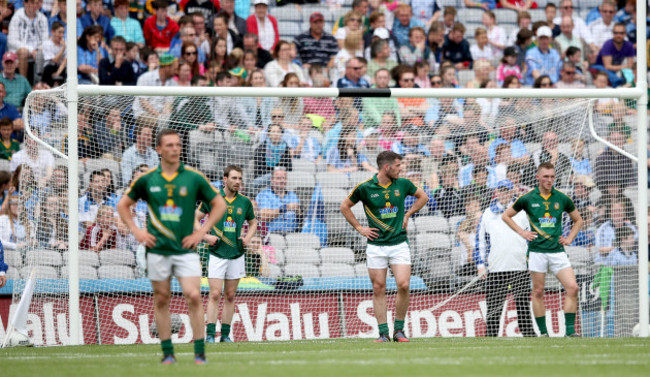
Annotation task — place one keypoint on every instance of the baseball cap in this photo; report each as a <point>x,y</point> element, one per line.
<point>381,32</point>
<point>510,51</point>
<point>9,56</point>
<point>316,16</point>
<point>505,184</point>
<point>544,31</point>
<point>166,59</point>
<point>264,2</point>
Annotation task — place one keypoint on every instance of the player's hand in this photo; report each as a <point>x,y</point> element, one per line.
<point>210,239</point>
<point>192,240</point>
<point>144,237</point>
<point>482,272</point>
<point>528,235</point>
<point>3,281</point>
<point>245,242</point>
<point>369,233</point>
<point>405,223</point>
<point>564,242</point>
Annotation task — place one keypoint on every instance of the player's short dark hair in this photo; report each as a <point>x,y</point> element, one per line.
<point>229,168</point>
<point>56,25</point>
<point>6,122</point>
<point>94,174</point>
<point>163,133</point>
<point>387,157</point>
<point>545,165</point>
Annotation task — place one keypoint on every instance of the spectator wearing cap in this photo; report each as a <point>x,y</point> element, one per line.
<point>542,59</point>
<point>568,77</point>
<point>94,16</point>
<point>162,76</point>
<point>159,29</point>
<point>380,57</point>
<point>404,22</point>
<point>125,26</point>
<point>602,29</point>
<point>315,46</point>
<point>263,25</point>
<point>28,30</point>
<point>508,66</point>
<point>17,87</point>
<point>617,54</point>
<point>456,48</point>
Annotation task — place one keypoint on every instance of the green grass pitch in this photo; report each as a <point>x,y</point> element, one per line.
<point>446,357</point>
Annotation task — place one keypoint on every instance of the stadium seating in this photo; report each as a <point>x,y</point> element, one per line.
<point>427,224</point>
<point>117,257</point>
<point>337,255</point>
<point>277,241</point>
<point>302,255</point>
<point>302,240</point>
<point>505,16</point>
<point>336,270</point>
<point>86,258</point>
<point>13,258</point>
<point>41,272</point>
<point>115,272</point>
<point>333,180</point>
<point>305,270</point>
<point>43,257</point>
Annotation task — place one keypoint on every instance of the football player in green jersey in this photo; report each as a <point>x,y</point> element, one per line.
<point>544,206</point>
<point>383,199</point>
<point>171,192</point>
<point>227,263</point>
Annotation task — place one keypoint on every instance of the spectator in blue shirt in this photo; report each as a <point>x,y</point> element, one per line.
<point>352,78</point>
<point>89,55</point>
<point>8,110</point>
<point>404,21</point>
<point>542,59</point>
<point>95,16</point>
<point>3,267</point>
<point>278,207</point>
<point>508,135</point>
<point>483,4</point>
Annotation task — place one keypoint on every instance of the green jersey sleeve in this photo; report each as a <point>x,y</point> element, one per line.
<point>411,188</point>
<point>520,203</point>
<point>569,206</point>
<point>355,195</point>
<point>250,213</point>
<point>138,190</point>
<point>206,192</point>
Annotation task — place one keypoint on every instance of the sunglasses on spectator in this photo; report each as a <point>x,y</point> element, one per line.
<point>545,84</point>
<point>436,82</point>
<point>356,68</point>
<point>619,32</point>
<point>407,80</point>
<point>567,7</point>
<point>190,52</point>
<point>570,72</point>
<point>607,11</point>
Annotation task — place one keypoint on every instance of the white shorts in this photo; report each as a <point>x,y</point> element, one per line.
<point>379,257</point>
<point>162,267</point>
<point>228,269</point>
<point>544,262</point>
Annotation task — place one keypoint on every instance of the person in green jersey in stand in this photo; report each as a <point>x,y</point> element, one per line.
<point>171,192</point>
<point>383,198</point>
<point>544,206</point>
<point>9,145</point>
<point>227,263</point>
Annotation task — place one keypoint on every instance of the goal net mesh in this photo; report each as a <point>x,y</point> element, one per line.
<point>313,152</point>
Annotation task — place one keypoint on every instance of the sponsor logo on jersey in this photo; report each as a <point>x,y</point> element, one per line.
<point>388,212</point>
<point>229,225</point>
<point>556,206</point>
<point>396,192</point>
<point>239,211</point>
<point>170,212</point>
<point>182,191</point>
<point>155,189</point>
<point>547,221</point>
<point>374,195</point>
<point>535,205</point>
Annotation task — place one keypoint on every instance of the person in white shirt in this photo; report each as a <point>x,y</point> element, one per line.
<point>28,30</point>
<point>603,28</point>
<point>580,27</point>
<point>40,160</point>
<point>500,256</point>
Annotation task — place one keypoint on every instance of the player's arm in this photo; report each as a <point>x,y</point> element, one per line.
<point>252,229</point>
<point>198,216</point>
<point>218,209</point>
<point>346,210</point>
<point>421,199</point>
<point>479,248</point>
<point>141,235</point>
<point>507,216</point>
<point>575,228</point>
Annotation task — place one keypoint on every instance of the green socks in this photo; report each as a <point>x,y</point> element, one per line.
<point>570,323</point>
<point>167,347</point>
<point>399,325</point>
<point>199,346</point>
<point>383,328</point>
<point>211,329</point>
<point>225,330</point>
<point>541,323</point>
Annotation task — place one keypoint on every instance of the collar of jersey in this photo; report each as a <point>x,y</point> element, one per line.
<point>376,181</point>
<point>540,194</point>
<point>181,167</point>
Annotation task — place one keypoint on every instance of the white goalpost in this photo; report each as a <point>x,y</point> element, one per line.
<point>89,298</point>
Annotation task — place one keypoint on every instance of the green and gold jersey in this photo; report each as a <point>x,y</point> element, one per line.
<point>384,207</point>
<point>228,229</point>
<point>545,218</point>
<point>8,149</point>
<point>171,202</point>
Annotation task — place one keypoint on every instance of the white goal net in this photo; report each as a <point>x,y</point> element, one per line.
<point>301,157</point>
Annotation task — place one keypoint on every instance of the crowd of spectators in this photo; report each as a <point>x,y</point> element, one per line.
<point>379,44</point>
